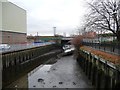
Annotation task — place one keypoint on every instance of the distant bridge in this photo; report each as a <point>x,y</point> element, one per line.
<point>65,40</point>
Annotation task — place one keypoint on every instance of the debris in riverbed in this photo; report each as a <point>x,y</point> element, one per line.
<point>40,80</point>
<point>54,86</point>
<point>34,86</point>
<point>58,56</point>
<point>53,69</point>
<point>74,83</point>
<point>48,71</point>
<point>60,82</point>
<point>15,86</point>
<point>52,61</point>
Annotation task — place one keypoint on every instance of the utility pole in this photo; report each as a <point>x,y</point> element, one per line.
<point>64,34</point>
<point>54,28</point>
<point>37,33</point>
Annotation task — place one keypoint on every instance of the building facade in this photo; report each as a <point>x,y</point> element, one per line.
<point>13,25</point>
<point>38,39</point>
<point>0,21</point>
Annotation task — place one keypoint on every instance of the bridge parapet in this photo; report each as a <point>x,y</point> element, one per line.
<point>67,38</point>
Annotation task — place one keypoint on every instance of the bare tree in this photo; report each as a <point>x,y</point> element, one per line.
<point>104,15</point>
<point>77,42</point>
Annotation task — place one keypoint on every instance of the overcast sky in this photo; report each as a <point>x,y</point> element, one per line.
<point>43,15</point>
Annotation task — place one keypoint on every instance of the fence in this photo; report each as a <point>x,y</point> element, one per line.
<point>113,48</point>
<point>16,47</point>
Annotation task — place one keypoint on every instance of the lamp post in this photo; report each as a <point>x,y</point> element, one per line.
<point>54,28</point>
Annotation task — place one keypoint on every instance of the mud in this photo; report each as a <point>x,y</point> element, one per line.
<point>63,72</point>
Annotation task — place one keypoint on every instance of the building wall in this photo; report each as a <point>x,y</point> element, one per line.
<point>13,37</point>
<point>0,21</point>
<point>0,42</point>
<point>0,15</point>
<point>14,18</point>
<point>13,23</point>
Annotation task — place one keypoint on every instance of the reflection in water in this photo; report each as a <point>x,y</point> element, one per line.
<point>36,77</point>
<point>65,73</point>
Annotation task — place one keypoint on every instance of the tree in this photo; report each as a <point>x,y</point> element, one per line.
<point>77,42</point>
<point>104,15</point>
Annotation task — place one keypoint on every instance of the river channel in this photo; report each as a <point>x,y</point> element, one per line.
<point>62,72</point>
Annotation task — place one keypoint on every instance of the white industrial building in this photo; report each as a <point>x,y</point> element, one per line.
<point>13,23</point>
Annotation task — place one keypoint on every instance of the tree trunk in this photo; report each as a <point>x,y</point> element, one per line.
<point>118,36</point>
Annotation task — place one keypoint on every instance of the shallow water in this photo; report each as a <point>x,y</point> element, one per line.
<point>65,73</point>
<point>37,78</point>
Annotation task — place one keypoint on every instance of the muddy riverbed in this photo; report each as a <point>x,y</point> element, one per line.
<point>62,72</point>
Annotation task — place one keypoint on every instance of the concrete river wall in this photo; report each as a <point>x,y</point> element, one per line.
<point>17,63</point>
<point>102,73</point>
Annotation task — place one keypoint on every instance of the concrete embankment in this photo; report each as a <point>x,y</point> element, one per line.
<point>18,63</point>
<point>102,73</point>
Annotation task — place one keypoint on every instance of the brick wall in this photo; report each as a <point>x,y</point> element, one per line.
<point>13,37</point>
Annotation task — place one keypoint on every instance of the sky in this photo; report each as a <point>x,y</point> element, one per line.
<point>43,15</point>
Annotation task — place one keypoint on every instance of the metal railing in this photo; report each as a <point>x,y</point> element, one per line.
<point>16,47</point>
<point>113,48</point>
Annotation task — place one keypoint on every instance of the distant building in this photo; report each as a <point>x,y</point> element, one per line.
<point>97,38</point>
<point>37,39</point>
<point>90,34</point>
<point>13,26</point>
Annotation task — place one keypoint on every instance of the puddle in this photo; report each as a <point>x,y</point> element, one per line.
<point>37,77</point>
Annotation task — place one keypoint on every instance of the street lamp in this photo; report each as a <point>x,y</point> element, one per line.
<point>54,28</point>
